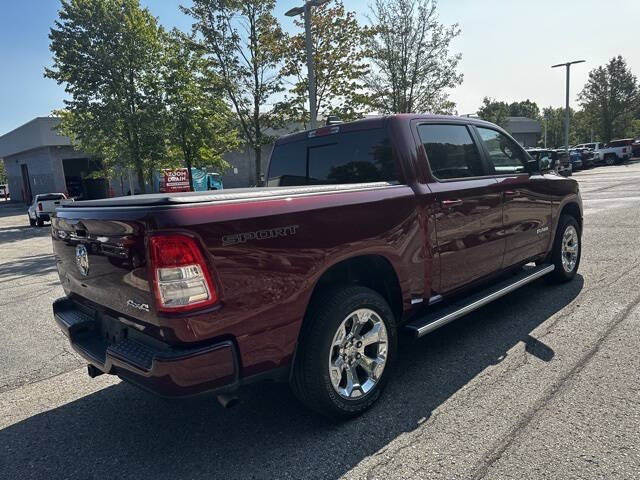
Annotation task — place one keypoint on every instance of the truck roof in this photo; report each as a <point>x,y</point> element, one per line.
<point>376,122</point>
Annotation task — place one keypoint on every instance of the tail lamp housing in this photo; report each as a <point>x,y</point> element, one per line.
<point>179,273</point>
<point>39,206</point>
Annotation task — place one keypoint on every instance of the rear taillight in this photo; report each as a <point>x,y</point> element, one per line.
<point>180,275</point>
<point>39,206</point>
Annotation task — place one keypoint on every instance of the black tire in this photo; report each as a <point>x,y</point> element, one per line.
<point>32,222</point>
<point>610,159</point>
<point>560,274</point>
<point>39,222</point>
<point>311,382</point>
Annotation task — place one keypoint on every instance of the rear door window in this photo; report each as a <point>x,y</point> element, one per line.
<point>451,152</point>
<point>343,158</point>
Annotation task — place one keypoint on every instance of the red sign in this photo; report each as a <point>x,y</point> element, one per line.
<point>175,181</point>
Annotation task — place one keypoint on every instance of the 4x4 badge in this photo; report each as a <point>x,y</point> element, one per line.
<point>82,260</point>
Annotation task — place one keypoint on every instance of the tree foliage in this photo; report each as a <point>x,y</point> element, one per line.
<point>340,66</point>
<point>611,95</point>
<point>525,108</point>
<point>409,50</point>
<point>498,112</point>
<point>243,40</point>
<point>200,124</point>
<point>107,53</point>
<point>494,111</point>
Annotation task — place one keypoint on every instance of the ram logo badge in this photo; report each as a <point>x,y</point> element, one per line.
<point>82,260</point>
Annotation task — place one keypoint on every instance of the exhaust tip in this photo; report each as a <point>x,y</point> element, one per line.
<point>228,401</point>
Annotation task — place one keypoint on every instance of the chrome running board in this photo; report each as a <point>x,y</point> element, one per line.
<point>439,318</point>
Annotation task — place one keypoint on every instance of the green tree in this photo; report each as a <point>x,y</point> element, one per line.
<point>340,66</point>
<point>3,173</point>
<point>107,53</point>
<point>244,42</point>
<point>526,108</point>
<point>555,122</point>
<point>494,111</point>
<point>412,66</point>
<point>200,124</point>
<point>611,95</point>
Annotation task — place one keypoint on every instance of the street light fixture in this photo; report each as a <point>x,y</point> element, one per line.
<point>305,10</point>
<point>566,114</point>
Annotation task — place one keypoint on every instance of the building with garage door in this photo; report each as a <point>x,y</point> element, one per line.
<point>39,160</point>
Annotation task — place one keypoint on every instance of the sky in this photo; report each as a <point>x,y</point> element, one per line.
<point>507,47</point>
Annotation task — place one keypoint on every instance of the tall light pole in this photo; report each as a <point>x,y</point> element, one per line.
<point>305,10</point>
<point>566,112</point>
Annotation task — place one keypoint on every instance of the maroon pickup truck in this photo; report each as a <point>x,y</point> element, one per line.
<point>364,230</point>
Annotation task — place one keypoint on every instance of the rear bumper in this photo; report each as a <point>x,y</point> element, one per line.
<point>163,369</point>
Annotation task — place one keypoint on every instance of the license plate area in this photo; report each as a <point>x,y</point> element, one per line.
<point>112,330</point>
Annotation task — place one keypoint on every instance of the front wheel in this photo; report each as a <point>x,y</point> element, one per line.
<point>567,248</point>
<point>346,351</point>
<point>610,159</point>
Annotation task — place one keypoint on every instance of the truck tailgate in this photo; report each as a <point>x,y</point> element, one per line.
<point>104,261</point>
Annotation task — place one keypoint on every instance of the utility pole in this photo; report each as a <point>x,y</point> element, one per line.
<point>305,10</point>
<point>566,112</point>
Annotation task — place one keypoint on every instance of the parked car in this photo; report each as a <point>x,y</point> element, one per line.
<point>43,207</point>
<point>575,156</point>
<point>559,161</point>
<point>366,229</point>
<point>635,148</point>
<point>616,151</point>
<point>590,151</point>
<point>4,191</point>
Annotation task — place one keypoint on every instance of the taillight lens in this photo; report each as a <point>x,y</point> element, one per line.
<point>39,206</point>
<point>180,275</point>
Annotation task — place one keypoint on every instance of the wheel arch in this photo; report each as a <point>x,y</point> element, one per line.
<point>374,271</point>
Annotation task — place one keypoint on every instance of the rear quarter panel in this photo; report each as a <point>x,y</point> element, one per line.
<point>265,282</point>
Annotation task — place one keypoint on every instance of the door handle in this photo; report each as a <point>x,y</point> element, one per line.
<point>511,193</point>
<point>451,203</point>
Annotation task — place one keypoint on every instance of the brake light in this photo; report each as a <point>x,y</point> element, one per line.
<point>39,206</point>
<point>180,275</point>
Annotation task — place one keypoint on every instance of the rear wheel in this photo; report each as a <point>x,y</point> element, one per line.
<point>610,159</point>
<point>345,353</point>
<point>567,248</point>
<point>32,222</point>
<point>39,221</point>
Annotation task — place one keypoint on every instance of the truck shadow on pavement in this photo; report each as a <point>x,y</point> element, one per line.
<point>30,267</point>
<point>13,234</point>
<point>121,432</point>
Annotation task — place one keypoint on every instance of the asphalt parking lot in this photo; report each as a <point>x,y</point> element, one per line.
<point>543,383</point>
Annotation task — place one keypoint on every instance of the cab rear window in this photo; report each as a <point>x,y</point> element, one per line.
<point>351,157</point>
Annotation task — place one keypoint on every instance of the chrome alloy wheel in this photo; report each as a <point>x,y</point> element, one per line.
<point>570,246</point>
<point>358,353</point>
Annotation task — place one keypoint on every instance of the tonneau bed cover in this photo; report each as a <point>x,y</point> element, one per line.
<point>235,194</point>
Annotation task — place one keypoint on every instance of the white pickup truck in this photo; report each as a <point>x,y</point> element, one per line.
<point>43,207</point>
<point>616,151</point>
